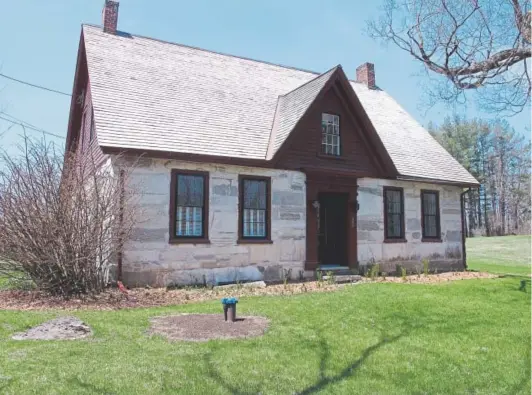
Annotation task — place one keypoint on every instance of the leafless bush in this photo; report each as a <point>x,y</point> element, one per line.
<point>62,220</point>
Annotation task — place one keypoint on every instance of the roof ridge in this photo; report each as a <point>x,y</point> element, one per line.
<point>275,127</point>
<point>214,52</point>
<point>338,66</point>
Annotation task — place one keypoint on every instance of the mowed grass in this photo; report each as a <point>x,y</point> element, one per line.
<point>454,338</point>
<point>501,255</point>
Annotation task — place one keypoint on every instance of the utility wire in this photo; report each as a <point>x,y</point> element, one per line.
<point>28,125</point>
<point>34,85</point>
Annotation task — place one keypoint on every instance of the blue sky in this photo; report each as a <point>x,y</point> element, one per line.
<point>39,40</point>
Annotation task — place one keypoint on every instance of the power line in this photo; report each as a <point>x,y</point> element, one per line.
<point>28,125</point>
<point>34,85</point>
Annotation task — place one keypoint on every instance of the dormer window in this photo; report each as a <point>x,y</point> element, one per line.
<point>330,134</point>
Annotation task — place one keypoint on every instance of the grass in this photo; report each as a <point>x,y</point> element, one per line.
<point>501,255</point>
<point>460,337</point>
<point>452,338</point>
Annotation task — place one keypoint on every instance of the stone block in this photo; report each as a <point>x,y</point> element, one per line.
<point>225,189</point>
<point>413,224</point>
<point>149,235</point>
<point>288,198</point>
<point>368,224</point>
<point>453,235</point>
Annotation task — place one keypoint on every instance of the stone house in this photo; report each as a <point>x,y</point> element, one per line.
<point>253,170</point>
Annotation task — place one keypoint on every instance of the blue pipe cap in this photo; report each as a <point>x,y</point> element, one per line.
<point>229,300</point>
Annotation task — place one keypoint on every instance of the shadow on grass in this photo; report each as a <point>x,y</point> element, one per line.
<point>525,282</point>
<point>348,371</point>
<point>322,381</point>
<point>75,382</point>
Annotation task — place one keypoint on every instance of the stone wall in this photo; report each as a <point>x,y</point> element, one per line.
<point>149,259</point>
<point>443,256</point>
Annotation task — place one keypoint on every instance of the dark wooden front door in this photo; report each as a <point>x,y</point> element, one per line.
<point>332,235</point>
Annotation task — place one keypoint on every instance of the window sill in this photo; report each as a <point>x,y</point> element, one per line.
<point>251,241</point>
<point>185,240</point>
<point>333,157</point>
<point>431,240</point>
<point>394,241</point>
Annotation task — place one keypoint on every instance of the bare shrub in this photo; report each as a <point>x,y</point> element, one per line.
<point>63,220</point>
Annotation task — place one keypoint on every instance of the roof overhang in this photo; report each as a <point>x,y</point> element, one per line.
<point>437,181</point>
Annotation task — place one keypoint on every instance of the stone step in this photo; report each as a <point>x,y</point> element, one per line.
<point>345,278</point>
<point>344,271</point>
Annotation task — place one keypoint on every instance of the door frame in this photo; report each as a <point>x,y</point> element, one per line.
<point>317,183</point>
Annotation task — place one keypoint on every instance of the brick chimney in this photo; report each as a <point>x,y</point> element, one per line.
<point>110,16</point>
<point>366,75</point>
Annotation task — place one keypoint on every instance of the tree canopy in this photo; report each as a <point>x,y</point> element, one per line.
<point>499,158</point>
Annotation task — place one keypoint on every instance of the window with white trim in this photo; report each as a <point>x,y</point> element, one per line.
<point>330,134</point>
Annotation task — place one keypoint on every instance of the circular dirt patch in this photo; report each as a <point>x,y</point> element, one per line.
<point>62,328</point>
<point>203,327</point>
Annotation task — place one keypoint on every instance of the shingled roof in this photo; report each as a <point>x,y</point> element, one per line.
<point>159,96</point>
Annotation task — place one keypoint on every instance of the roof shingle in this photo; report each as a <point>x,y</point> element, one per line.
<point>154,95</point>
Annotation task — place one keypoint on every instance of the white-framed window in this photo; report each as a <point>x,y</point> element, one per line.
<point>330,134</point>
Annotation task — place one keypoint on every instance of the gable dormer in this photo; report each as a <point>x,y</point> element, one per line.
<point>322,126</point>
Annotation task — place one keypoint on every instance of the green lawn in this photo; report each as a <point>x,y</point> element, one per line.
<point>462,337</point>
<point>502,255</point>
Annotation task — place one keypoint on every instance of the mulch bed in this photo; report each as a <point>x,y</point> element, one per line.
<point>204,327</point>
<point>112,299</point>
<point>434,278</point>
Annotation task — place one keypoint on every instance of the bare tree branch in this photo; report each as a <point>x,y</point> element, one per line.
<point>473,44</point>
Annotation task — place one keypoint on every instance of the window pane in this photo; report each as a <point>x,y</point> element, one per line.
<point>189,190</point>
<point>254,223</point>
<point>429,201</point>
<point>394,225</point>
<point>255,194</point>
<point>393,202</point>
<point>189,221</point>
<point>430,227</point>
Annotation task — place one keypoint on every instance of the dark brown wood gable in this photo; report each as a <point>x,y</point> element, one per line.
<point>362,152</point>
<point>81,78</point>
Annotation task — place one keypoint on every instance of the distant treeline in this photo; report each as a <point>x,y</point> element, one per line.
<point>499,158</point>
